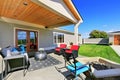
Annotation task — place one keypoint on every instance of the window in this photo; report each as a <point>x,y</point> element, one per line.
<point>22,38</point>
<point>58,37</point>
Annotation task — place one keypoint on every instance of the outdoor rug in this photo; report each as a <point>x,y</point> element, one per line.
<point>50,61</point>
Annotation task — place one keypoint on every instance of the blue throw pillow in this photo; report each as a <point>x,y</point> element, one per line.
<point>22,49</point>
<point>6,51</point>
<point>14,51</point>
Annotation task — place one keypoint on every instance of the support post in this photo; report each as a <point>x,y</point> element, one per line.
<point>76,31</point>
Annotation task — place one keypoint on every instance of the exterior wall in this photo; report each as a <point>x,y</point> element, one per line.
<point>111,39</point>
<point>114,38</point>
<point>7,36</point>
<point>45,38</point>
<point>79,40</point>
<point>96,41</point>
<point>71,38</point>
<point>57,6</point>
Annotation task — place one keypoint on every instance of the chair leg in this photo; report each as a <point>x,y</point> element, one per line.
<point>70,77</point>
<point>89,75</point>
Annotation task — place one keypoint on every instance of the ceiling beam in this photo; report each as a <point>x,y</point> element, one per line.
<point>14,21</point>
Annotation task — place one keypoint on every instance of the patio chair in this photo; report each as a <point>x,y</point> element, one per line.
<point>76,68</point>
<point>73,50</point>
<point>58,49</point>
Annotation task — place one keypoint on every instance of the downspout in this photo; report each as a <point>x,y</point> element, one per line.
<point>76,31</point>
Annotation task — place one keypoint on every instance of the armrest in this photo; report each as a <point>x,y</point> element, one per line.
<point>83,65</point>
<point>15,62</point>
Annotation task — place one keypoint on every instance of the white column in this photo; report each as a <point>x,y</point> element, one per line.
<point>76,31</point>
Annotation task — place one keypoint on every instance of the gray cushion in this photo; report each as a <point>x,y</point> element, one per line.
<point>6,51</point>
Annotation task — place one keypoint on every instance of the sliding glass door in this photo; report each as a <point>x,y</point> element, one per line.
<point>29,39</point>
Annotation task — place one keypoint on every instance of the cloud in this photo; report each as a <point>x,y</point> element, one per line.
<point>85,35</point>
<point>112,30</point>
<point>105,25</point>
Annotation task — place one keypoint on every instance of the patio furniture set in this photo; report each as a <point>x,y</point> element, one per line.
<point>14,59</point>
<point>73,63</point>
<point>94,68</point>
<point>73,66</point>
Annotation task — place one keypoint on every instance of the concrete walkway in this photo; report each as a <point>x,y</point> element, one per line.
<point>116,49</point>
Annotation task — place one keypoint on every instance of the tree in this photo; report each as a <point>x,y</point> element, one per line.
<point>103,34</point>
<point>98,34</point>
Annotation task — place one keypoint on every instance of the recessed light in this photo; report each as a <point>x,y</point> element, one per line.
<point>25,3</point>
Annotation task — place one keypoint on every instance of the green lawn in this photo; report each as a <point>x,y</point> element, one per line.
<point>104,51</point>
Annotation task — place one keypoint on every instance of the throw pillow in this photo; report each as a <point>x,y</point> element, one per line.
<point>15,51</point>
<point>6,52</point>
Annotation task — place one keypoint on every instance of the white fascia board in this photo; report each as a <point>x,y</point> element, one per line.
<point>58,7</point>
<point>113,33</point>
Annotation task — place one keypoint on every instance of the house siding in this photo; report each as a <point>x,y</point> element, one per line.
<point>71,38</point>
<point>111,39</point>
<point>7,36</point>
<point>114,38</point>
<point>45,38</point>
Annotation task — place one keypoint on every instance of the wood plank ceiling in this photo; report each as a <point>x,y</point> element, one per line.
<point>27,11</point>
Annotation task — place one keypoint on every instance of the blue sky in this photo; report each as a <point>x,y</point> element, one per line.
<point>103,15</point>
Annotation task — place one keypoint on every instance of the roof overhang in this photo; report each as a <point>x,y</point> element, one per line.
<point>73,9</point>
<point>27,12</point>
<point>114,33</point>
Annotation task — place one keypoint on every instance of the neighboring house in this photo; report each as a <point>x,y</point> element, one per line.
<point>32,22</point>
<point>114,37</point>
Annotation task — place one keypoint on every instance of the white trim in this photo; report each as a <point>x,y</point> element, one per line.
<point>75,9</point>
<point>14,21</point>
<point>113,40</point>
<point>64,31</point>
<point>14,35</point>
<point>27,30</point>
<point>76,31</point>
<point>53,38</point>
<point>56,33</point>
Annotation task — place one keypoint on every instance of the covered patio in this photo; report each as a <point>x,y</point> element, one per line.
<point>38,17</point>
